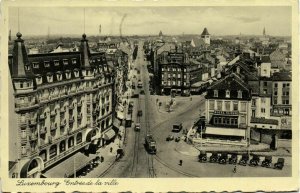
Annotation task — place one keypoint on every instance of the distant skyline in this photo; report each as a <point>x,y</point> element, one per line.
<point>150,20</point>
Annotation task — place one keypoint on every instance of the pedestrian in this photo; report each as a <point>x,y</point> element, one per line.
<point>234,169</point>
<point>191,98</point>
<point>102,159</point>
<point>111,149</point>
<point>180,162</point>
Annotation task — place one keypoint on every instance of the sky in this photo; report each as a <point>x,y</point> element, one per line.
<point>221,20</point>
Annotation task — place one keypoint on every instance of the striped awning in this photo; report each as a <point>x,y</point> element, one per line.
<point>225,131</point>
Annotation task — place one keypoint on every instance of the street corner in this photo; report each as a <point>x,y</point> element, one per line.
<point>186,149</point>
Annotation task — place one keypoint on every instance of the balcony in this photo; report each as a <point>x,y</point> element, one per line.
<point>63,123</point>
<point>53,113</point>
<point>53,127</point>
<point>42,117</point>
<point>32,122</point>
<point>43,131</point>
<point>33,137</point>
<point>71,119</point>
<point>62,110</point>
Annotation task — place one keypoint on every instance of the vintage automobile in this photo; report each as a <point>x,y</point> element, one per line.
<point>137,127</point>
<point>279,164</point>
<point>170,138</point>
<point>140,113</point>
<point>142,92</point>
<point>267,162</point>
<point>214,157</point>
<point>177,127</point>
<point>202,156</point>
<point>177,139</point>
<point>244,159</point>
<point>233,158</point>
<point>254,161</point>
<point>223,158</point>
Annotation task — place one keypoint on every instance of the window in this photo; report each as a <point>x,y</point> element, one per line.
<point>21,84</point>
<point>243,119</point>
<point>285,102</point>
<point>169,75</point>
<point>235,106</point>
<point>27,67</point>
<point>174,83</point>
<point>275,93</point>
<point>227,105</point>
<point>56,63</point>
<point>219,105</point>
<point>283,85</point>
<point>263,110</point>
<point>240,94</point>
<point>227,93</point>
<point>275,101</point>
<point>162,69</point>
<point>23,150</point>
<point>275,85</point>
<point>211,105</point>
<point>65,61</point>
<point>74,61</point>
<point>47,64</point>
<point>162,82</point>
<point>253,102</point>
<point>178,75</point>
<point>243,107</point>
<point>35,65</point>
<point>215,93</point>
<point>23,134</point>
<point>263,100</point>
<point>288,85</point>
<point>178,83</point>
<point>59,76</point>
<point>76,73</point>
<point>265,83</point>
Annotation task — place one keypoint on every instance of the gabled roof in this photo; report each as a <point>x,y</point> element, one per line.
<point>197,42</point>
<point>232,81</point>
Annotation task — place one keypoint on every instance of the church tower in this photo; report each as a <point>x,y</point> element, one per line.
<point>160,35</point>
<point>205,36</point>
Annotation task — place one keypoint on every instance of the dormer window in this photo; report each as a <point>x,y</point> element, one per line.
<point>227,94</point>
<point>27,67</point>
<point>35,64</point>
<point>56,63</point>
<point>76,73</point>
<point>68,74</point>
<point>65,61</point>
<point>59,76</point>
<point>74,61</point>
<point>47,64</point>
<point>49,78</point>
<point>240,94</point>
<point>215,93</point>
<point>39,79</point>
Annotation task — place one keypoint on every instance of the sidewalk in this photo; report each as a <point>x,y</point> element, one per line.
<point>109,158</point>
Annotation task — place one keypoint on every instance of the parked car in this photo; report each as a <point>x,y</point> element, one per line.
<point>142,92</point>
<point>214,157</point>
<point>279,164</point>
<point>140,113</point>
<point>223,158</point>
<point>254,161</point>
<point>267,162</point>
<point>202,156</point>
<point>177,127</point>
<point>244,159</point>
<point>233,158</point>
<point>177,139</point>
<point>170,138</point>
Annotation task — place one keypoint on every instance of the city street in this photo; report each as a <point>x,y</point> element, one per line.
<point>157,121</point>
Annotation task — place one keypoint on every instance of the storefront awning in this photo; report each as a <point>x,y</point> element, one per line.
<point>109,134</point>
<point>120,115</point>
<point>66,168</point>
<point>225,131</point>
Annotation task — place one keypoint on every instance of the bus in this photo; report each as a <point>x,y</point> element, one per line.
<point>150,144</point>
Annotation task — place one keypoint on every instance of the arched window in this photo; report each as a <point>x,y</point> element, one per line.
<point>43,155</point>
<point>79,138</point>
<point>33,165</point>
<point>53,151</point>
<point>62,146</point>
<point>71,142</point>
